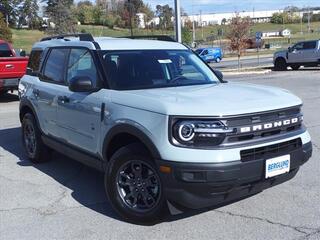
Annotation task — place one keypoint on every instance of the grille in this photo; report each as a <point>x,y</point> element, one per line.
<point>271,150</point>
<point>259,119</point>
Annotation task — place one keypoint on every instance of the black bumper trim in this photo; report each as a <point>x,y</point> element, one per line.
<point>199,185</point>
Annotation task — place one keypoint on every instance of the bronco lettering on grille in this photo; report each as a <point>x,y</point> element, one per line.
<point>270,125</point>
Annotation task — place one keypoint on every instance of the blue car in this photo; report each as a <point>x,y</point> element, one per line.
<point>210,54</point>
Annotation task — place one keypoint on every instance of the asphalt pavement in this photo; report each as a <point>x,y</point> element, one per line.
<point>245,62</point>
<point>63,199</point>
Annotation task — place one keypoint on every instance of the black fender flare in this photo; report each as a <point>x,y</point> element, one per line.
<point>24,102</point>
<point>132,130</point>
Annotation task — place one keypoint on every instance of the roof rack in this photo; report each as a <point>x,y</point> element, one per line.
<point>82,37</point>
<point>153,37</point>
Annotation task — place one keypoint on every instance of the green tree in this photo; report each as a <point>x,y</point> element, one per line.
<point>59,12</point>
<point>5,32</point>
<point>29,13</point>
<point>165,14</point>
<point>186,35</point>
<point>9,9</point>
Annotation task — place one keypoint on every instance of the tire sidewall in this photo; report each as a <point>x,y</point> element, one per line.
<point>121,157</point>
<point>41,151</point>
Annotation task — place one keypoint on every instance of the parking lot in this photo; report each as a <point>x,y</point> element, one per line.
<point>63,199</point>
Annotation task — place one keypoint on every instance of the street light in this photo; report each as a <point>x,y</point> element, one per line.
<point>178,20</point>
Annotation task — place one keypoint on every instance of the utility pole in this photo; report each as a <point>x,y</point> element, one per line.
<point>308,20</point>
<point>130,16</point>
<point>178,20</point>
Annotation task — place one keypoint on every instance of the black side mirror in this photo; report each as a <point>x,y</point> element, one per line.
<point>290,49</point>
<point>219,75</point>
<point>80,84</point>
<point>23,53</point>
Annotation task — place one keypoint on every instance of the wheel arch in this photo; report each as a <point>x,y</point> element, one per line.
<point>124,134</point>
<point>27,107</point>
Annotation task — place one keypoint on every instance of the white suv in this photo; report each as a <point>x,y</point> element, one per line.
<point>161,124</point>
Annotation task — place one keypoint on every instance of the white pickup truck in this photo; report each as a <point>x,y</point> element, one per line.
<point>305,53</point>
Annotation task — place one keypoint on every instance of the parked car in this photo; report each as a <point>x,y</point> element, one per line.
<point>210,54</point>
<point>12,68</point>
<point>306,53</point>
<point>166,129</point>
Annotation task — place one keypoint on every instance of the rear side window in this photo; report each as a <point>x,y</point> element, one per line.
<point>5,51</point>
<point>310,45</point>
<point>34,61</point>
<point>54,66</point>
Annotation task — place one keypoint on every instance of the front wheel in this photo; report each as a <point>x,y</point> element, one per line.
<point>218,60</point>
<point>133,185</point>
<point>280,64</point>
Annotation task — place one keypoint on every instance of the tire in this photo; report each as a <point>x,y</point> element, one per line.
<point>218,60</point>
<point>35,149</point>
<point>134,187</point>
<point>280,64</point>
<point>295,67</point>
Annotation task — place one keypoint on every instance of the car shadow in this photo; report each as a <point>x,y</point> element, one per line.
<point>8,97</point>
<point>86,184</point>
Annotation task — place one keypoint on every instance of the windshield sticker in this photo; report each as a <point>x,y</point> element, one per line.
<point>165,61</point>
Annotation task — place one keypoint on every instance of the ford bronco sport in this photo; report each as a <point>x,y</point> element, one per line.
<point>164,127</point>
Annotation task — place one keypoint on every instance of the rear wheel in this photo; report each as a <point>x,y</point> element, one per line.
<point>280,64</point>
<point>295,66</point>
<point>133,185</point>
<point>35,149</point>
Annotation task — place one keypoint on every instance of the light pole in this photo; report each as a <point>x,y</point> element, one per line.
<point>178,20</point>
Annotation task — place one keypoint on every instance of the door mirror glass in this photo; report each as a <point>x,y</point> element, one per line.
<point>80,84</point>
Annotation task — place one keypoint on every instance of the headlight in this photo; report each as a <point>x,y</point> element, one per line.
<point>198,133</point>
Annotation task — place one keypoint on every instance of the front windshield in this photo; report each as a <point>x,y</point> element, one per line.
<point>141,69</point>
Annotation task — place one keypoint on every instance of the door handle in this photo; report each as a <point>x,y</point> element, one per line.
<point>63,99</point>
<point>9,66</point>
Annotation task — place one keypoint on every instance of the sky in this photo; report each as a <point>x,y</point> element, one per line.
<point>220,6</point>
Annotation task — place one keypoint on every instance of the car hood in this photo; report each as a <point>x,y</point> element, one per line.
<point>280,53</point>
<point>208,100</point>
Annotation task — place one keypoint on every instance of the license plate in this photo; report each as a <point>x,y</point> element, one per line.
<point>11,82</point>
<point>278,165</point>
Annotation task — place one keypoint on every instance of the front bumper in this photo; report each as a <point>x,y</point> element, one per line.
<point>196,185</point>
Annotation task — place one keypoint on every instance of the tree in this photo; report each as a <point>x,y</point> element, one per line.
<point>59,12</point>
<point>238,35</point>
<point>5,32</point>
<point>165,14</point>
<point>29,13</point>
<point>186,35</point>
<point>9,9</point>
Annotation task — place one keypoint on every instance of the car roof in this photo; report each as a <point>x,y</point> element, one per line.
<point>108,43</point>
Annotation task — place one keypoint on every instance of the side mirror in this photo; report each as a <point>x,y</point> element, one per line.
<point>290,49</point>
<point>219,75</point>
<point>23,53</point>
<point>80,84</point>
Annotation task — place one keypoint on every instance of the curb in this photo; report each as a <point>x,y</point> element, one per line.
<point>234,73</point>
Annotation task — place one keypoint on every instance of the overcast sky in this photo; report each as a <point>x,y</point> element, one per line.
<point>213,6</point>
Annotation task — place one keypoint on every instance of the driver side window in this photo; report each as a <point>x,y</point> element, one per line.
<point>298,46</point>
<point>81,64</point>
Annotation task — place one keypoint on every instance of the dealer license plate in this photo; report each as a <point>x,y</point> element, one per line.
<point>278,165</point>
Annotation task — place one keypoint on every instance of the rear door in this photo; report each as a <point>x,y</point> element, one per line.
<point>310,51</point>
<point>79,113</point>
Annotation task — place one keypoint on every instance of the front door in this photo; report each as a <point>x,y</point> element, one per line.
<point>79,113</point>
